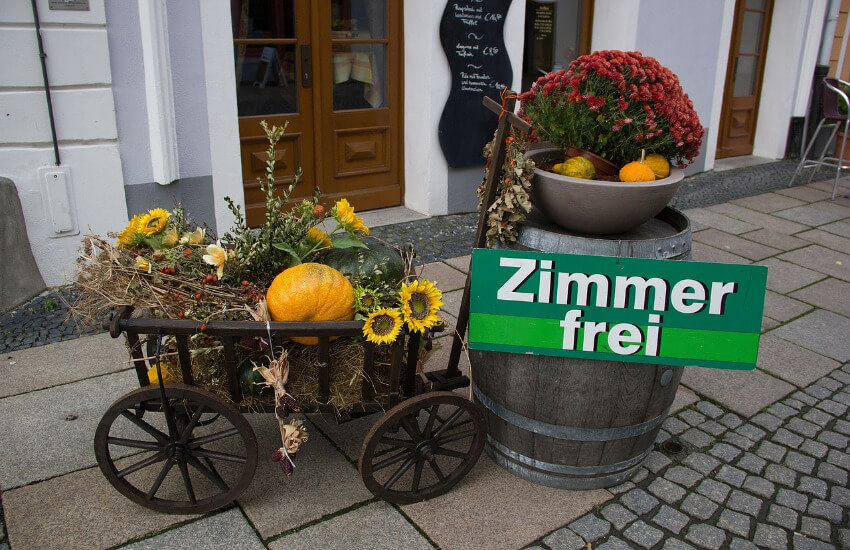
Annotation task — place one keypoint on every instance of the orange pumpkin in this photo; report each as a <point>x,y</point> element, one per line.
<point>310,292</point>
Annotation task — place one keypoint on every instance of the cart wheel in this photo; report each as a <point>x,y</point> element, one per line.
<point>422,447</point>
<point>198,458</point>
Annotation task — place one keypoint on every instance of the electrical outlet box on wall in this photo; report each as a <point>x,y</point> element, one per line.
<point>58,199</point>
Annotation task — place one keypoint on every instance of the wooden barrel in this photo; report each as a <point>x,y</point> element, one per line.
<point>579,423</point>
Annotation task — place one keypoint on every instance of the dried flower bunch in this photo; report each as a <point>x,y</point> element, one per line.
<point>512,196</point>
<point>615,104</point>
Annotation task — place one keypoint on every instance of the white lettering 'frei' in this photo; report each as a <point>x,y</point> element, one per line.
<point>622,338</point>
<point>525,267</point>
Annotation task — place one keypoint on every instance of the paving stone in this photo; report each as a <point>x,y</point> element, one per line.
<point>671,519</point>
<point>770,536</point>
<point>784,358</point>
<point>751,463</point>
<point>782,516</point>
<point>840,495</point>
<point>767,221</point>
<point>792,499</point>
<point>820,331</point>
<point>640,474</point>
<point>725,452</point>
<point>706,536</point>
<point>808,215</point>
<point>825,509</point>
<point>618,515</point>
<point>843,397</point>
<point>460,262</point>
<point>714,490</point>
<point>734,522</point>
<point>692,417</point>
<point>814,448</point>
<point>564,539</point>
<point>818,392</point>
<point>621,488</point>
<point>800,462</point>
<point>844,538</point>
<point>768,202</point>
<point>709,409</point>
<point>674,425</point>
<point>684,398</point>
<point>841,376</point>
<point>639,501</point>
<point>738,440</point>
<point>446,277</point>
<point>832,473</point>
<point>775,239</point>
<point>839,459</point>
<point>643,535</point>
<point>666,490</point>
<point>614,543</point>
<point>590,527</point>
<point>781,411</point>
<point>788,438</point>
<point>37,442</point>
<point>803,427</point>
<point>719,221</point>
<point>704,253</point>
<point>771,451</point>
<point>802,542</point>
<point>697,438</point>
<point>683,476</point>
<point>817,528</point>
<point>347,436</point>
<point>743,392</point>
<point>676,544</point>
<point>823,260</point>
<point>767,421</point>
<point>784,277</point>
<point>712,427</point>
<point>759,486</point>
<point>831,294</point>
<point>731,420</point>
<point>698,506</point>
<point>734,244</point>
<point>768,324</point>
<point>701,462</point>
<point>818,418</point>
<point>780,474</point>
<point>832,407</point>
<point>831,385</point>
<point>842,426</point>
<point>742,502</point>
<point>228,529</point>
<point>823,238</point>
<point>805,193</point>
<point>805,398</point>
<point>731,475</point>
<point>838,228</point>
<point>793,403</point>
<point>656,462</point>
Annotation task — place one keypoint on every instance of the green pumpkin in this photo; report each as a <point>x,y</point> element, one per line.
<point>373,265</point>
<point>249,379</point>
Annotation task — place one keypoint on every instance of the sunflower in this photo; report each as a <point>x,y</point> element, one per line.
<point>343,213</point>
<point>130,237</point>
<point>366,299</point>
<point>154,221</point>
<point>316,235</point>
<point>383,326</point>
<point>420,301</point>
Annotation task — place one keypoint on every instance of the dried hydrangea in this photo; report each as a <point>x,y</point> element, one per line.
<point>512,196</point>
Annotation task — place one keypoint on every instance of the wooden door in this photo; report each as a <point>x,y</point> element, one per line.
<point>332,70</point>
<point>744,73</point>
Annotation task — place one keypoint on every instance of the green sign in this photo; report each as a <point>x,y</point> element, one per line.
<point>620,309</point>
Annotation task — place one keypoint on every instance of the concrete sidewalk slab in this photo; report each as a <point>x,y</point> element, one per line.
<point>744,392</point>
<point>734,244</point>
<point>821,259</point>
<point>445,276</point>
<point>376,526</point>
<point>783,277</point>
<point>481,510</point>
<point>791,362</point>
<point>830,294</point>
<point>37,442</point>
<point>324,482</point>
<point>841,229</point>
<point>705,253</point>
<point>709,218</point>
<point>768,202</point>
<point>760,219</point>
<point>228,530</point>
<point>783,308</point>
<point>460,262</point>
<point>451,302</point>
<point>348,436</point>
<point>826,239</point>
<point>805,193</point>
<point>77,510</point>
<point>821,331</point>
<point>809,215</point>
<point>54,364</point>
<point>775,239</point>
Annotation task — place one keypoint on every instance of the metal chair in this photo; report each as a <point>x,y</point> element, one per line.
<point>832,118</point>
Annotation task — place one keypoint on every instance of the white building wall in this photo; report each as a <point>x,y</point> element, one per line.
<point>78,66</point>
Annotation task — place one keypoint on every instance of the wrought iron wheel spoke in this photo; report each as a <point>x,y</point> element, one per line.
<point>184,472</point>
<point>400,472</point>
<point>156,434</point>
<point>434,466</point>
<point>449,452</point>
<point>391,460</point>
<point>454,437</point>
<point>210,474</point>
<point>159,479</point>
<point>429,425</point>
<point>135,443</point>
<point>153,459</point>
<point>198,441</point>
<point>449,421</point>
<point>411,429</point>
<point>187,431</point>
<point>417,474</point>
<point>218,456</point>
<point>398,442</point>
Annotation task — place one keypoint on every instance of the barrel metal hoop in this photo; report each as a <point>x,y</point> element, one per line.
<point>565,469</point>
<point>567,432</point>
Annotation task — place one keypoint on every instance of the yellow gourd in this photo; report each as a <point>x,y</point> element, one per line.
<point>310,292</point>
<point>579,167</point>
<point>659,165</point>
<point>637,171</point>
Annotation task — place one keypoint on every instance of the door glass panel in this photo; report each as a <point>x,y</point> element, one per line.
<point>263,19</point>
<point>359,76</point>
<point>266,79</point>
<point>745,75</point>
<point>358,18</point>
<point>756,4</point>
<point>751,32</point>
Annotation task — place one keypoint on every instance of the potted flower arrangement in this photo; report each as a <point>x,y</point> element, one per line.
<point>615,121</point>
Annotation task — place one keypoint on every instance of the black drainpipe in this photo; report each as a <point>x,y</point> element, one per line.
<point>43,56</point>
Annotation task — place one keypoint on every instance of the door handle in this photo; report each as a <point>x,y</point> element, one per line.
<point>306,66</point>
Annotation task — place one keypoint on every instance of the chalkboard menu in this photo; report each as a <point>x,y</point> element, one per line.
<point>471,32</point>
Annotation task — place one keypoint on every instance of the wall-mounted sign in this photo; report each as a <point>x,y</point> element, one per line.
<point>72,5</point>
<point>471,32</point>
<point>619,309</point>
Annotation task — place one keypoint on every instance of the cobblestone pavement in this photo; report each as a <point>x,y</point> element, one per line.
<point>776,481</point>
